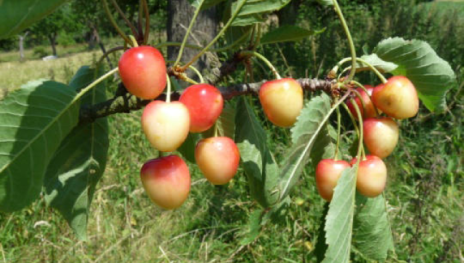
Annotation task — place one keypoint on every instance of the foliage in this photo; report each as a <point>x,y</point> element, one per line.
<point>217,215</point>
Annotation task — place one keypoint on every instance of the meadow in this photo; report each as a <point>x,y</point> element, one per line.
<point>425,189</point>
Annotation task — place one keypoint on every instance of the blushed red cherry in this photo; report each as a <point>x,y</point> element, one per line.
<point>368,111</point>
<point>328,171</point>
<point>143,71</point>
<point>166,124</point>
<point>282,101</point>
<point>204,103</point>
<point>218,159</point>
<point>397,98</point>
<point>166,181</point>
<point>380,136</point>
<point>372,176</point>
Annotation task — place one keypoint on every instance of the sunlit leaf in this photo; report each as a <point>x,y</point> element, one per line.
<point>80,161</point>
<point>259,165</point>
<point>432,76</point>
<point>372,235</point>
<point>379,64</point>
<point>18,15</point>
<point>310,123</point>
<point>33,122</point>
<point>339,222</point>
<point>252,10</point>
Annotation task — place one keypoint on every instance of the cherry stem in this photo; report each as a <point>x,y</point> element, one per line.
<point>198,73</point>
<point>360,98</point>
<point>187,34</point>
<point>265,60</point>
<point>353,120</point>
<point>147,22</point>
<point>341,73</point>
<point>369,65</point>
<point>134,41</point>
<point>370,98</point>
<point>339,118</point>
<point>219,35</point>
<point>131,26</point>
<point>216,130</point>
<point>185,78</point>
<point>361,131</point>
<point>113,23</point>
<point>168,91</point>
<point>350,40</point>
<point>108,53</point>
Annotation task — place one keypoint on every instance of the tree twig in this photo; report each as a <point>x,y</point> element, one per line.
<point>127,102</point>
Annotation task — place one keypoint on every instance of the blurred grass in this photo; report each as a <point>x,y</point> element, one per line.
<point>425,191</point>
<point>14,74</point>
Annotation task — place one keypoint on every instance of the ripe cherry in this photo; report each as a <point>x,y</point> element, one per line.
<point>380,136</point>
<point>143,71</point>
<point>397,98</point>
<point>166,181</point>
<point>282,101</point>
<point>218,159</point>
<point>372,176</point>
<point>204,103</point>
<point>166,124</point>
<point>368,111</point>
<point>328,171</point>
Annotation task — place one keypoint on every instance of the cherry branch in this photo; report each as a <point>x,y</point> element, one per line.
<point>126,102</point>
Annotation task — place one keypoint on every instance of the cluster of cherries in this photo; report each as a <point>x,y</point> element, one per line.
<point>397,98</point>
<point>167,124</point>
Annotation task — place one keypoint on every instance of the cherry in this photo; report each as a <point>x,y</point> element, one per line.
<point>143,72</point>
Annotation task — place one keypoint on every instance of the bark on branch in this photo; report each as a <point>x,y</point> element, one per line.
<point>125,103</point>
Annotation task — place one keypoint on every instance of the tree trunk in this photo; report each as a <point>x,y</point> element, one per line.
<point>52,38</point>
<point>180,13</point>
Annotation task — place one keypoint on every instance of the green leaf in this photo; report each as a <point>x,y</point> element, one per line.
<point>321,246</point>
<point>18,15</point>
<point>80,161</point>
<point>324,146</point>
<point>372,232</point>
<point>259,165</point>
<point>287,33</point>
<point>379,64</point>
<point>187,149</point>
<point>339,222</point>
<point>307,128</point>
<point>252,10</point>
<point>243,21</point>
<point>432,76</point>
<point>33,122</point>
<point>225,123</point>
